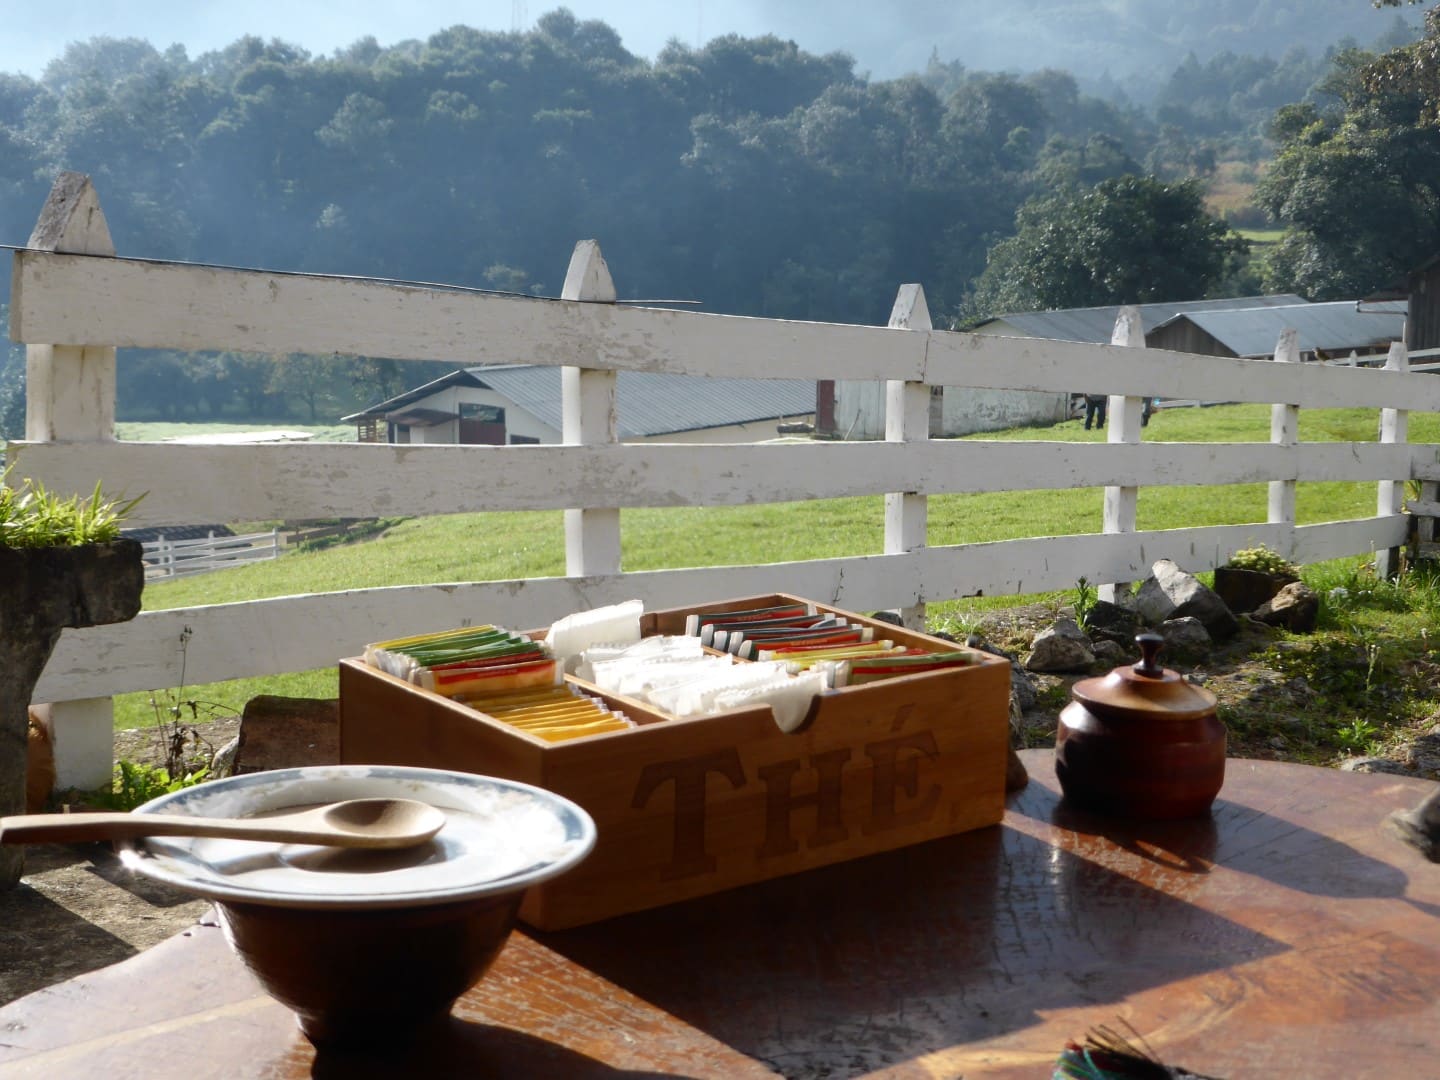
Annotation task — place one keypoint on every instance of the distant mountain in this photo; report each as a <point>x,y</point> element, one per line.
<point>1138,39</point>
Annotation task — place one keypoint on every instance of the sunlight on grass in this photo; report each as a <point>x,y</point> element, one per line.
<point>510,546</point>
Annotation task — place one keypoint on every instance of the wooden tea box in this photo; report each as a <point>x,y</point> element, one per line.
<point>686,807</point>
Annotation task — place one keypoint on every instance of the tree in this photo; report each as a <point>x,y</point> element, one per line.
<point>1126,241</point>
<point>1357,183</point>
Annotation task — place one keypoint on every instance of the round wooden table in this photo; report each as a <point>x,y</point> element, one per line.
<point>1285,935</point>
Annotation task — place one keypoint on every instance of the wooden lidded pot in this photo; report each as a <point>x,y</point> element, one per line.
<point>1141,742</point>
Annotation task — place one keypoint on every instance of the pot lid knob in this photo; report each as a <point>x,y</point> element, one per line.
<point>1150,645</point>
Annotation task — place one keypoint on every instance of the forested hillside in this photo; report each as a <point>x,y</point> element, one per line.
<point>749,175</point>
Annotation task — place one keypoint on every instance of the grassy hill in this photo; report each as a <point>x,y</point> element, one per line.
<point>500,546</point>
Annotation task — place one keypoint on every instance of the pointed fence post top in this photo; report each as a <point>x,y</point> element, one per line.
<point>588,278</point>
<point>1398,358</point>
<point>1287,348</point>
<point>1129,327</point>
<point>911,312</point>
<point>71,220</point>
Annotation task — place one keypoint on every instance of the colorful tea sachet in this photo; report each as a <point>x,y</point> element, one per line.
<point>555,714</point>
<point>467,661</point>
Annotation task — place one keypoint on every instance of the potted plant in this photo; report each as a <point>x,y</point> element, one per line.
<point>63,564</point>
<point>1253,575</point>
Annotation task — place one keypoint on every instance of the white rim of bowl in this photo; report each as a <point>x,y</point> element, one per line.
<point>578,824</point>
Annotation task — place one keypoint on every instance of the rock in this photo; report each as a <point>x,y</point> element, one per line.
<point>1022,689</point>
<point>1246,590</point>
<point>1110,652</point>
<point>1423,755</point>
<point>1111,622</point>
<point>1296,608</point>
<point>1374,765</point>
<point>1062,647</point>
<point>1185,636</point>
<point>891,617</point>
<point>284,732</point>
<point>1171,593</point>
<point>223,764</point>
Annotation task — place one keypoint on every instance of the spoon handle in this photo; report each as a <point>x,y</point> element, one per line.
<point>73,828</point>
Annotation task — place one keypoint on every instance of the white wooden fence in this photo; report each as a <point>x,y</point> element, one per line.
<point>73,303</point>
<point>180,558</point>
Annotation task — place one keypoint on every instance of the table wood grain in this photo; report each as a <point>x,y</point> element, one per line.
<point>1285,935</point>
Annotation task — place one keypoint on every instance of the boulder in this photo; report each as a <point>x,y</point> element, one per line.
<point>1061,648</point>
<point>1185,637</point>
<point>1111,622</point>
<point>1245,590</point>
<point>1296,608</point>
<point>1172,593</point>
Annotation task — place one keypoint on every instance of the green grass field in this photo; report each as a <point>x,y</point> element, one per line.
<point>502,546</point>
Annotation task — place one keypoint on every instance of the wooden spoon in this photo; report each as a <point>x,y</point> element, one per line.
<point>360,823</point>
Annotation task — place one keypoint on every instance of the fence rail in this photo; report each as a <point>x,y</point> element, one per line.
<point>166,558</point>
<point>73,302</point>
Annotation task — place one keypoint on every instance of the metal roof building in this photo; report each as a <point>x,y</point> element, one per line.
<point>1095,324</point>
<point>1324,330</point>
<point>647,404</point>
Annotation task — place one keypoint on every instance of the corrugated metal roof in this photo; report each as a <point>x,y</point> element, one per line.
<point>1096,324</point>
<point>650,403</point>
<point>646,403</point>
<point>1335,326</point>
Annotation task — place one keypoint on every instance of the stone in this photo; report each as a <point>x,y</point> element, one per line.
<point>891,617</point>
<point>1111,622</point>
<point>1110,652</point>
<point>42,592</point>
<point>1061,648</point>
<point>286,733</point>
<point>1374,765</point>
<point>1295,608</point>
<point>223,763</point>
<point>1172,593</point>
<point>1185,636</point>
<point>1245,590</point>
<point>1423,755</point>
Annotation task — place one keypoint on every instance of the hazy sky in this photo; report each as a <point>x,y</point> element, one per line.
<point>33,32</point>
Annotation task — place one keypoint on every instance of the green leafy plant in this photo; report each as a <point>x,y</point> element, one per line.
<point>136,784</point>
<point>32,516</point>
<point>1262,560</point>
<point>1085,597</point>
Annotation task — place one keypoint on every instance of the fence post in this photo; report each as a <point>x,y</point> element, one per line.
<point>1394,428</point>
<point>70,397</point>
<point>1284,431</point>
<point>592,536</point>
<point>1122,425</point>
<point>907,419</point>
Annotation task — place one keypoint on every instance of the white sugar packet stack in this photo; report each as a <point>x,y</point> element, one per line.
<point>697,697</point>
<point>788,699</point>
<point>659,647</point>
<point>645,678</point>
<point>617,624</point>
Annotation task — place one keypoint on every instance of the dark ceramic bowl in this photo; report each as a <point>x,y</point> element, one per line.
<point>369,945</point>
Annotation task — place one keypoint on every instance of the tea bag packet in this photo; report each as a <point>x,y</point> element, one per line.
<point>856,671</point>
<point>617,624</point>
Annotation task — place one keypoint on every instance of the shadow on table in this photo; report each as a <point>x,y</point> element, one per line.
<point>877,961</point>
<point>1244,840</point>
<point>43,943</point>
<point>460,1049</point>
